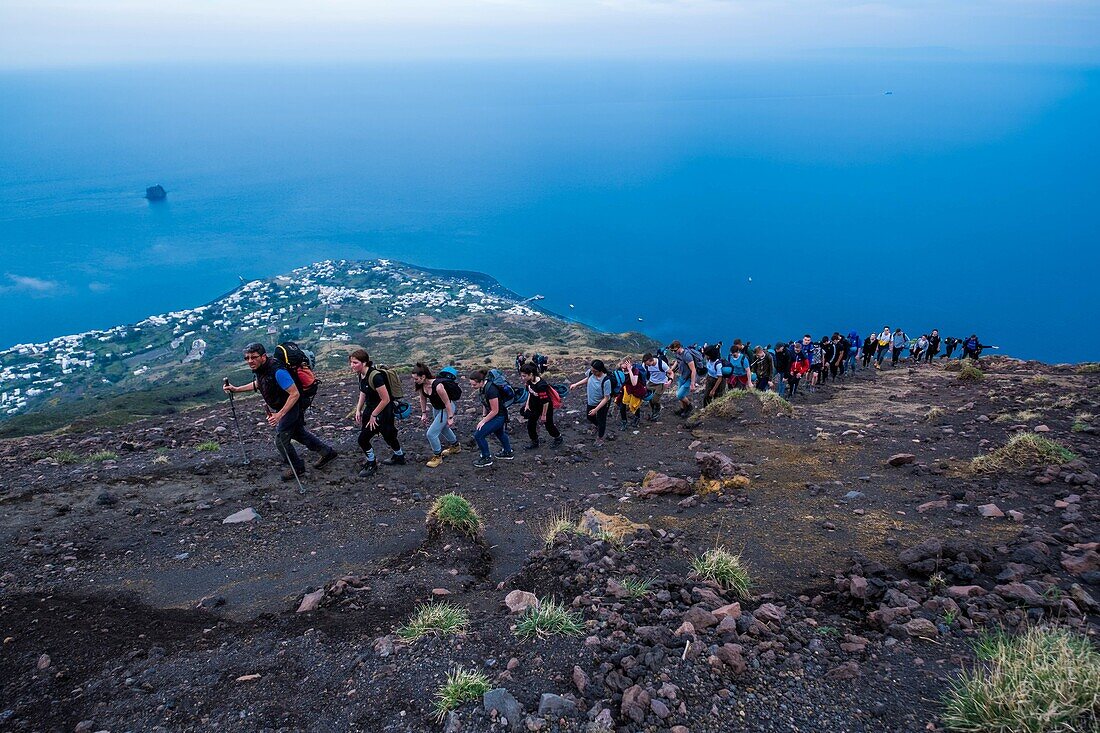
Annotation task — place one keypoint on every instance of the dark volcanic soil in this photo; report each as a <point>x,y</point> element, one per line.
<point>127,604</point>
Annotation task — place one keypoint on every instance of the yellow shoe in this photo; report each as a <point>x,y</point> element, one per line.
<point>452,449</point>
<point>435,461</point>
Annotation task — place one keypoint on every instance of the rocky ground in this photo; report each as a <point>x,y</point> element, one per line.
<point>128,604</point>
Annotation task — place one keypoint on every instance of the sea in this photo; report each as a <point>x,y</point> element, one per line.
<point>698,200</point>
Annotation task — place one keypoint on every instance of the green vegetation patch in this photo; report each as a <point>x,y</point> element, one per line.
<point>934,415</point>
<point>637,587</point>
<point>1040,681</point>
<point>462,686</point>
<point>439,618</point>
<point>65,457</point>
<point>452,510</point>
<point>970,372</point>
<point>209,446</point>
<point>723,567</point>
<point>1091,367</point>
<point>548,618</point>
<point>103,455</point>
<point>1023,450</point>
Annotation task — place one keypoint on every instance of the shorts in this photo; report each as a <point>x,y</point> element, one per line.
<point>683,388</point>
<point>741,382</point>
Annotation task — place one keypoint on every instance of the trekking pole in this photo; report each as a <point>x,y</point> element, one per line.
<point>293,470</point>
<point>236,423</point>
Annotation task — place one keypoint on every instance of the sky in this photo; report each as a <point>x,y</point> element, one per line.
<point>68,33</point>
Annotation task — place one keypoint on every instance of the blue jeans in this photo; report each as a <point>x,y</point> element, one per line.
<point>683,387</point>
<point>851,361</point>
<point>439,427</point>
<point>293,427</point>
<point>493,427</point>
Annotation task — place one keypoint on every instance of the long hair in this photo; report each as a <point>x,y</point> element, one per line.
<point>361,356</point>
<point>421,370</point>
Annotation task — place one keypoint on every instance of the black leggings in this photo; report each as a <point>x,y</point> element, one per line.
<point>533,422</point>
<point>867,357</point>
<point>897,353</point>
<point>928,356</point>
<point>792,384</point>
<point>385,426</point>
<point>599,419</point>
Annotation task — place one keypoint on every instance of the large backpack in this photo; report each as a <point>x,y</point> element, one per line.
<point>507,392</point>
<point>700,362</point>
<point>299,364</point>
<point>393,381</point>
<point>448,377</point>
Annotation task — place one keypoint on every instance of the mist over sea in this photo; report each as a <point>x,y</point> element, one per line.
<point>711,200</point>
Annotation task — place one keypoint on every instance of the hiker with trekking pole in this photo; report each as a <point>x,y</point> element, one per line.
<point>282,382</point>
<point>236,422</point>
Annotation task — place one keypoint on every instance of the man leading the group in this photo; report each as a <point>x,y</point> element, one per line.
<point>285,412</point>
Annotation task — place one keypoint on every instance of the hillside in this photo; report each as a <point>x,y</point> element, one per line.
<point>876,553</point>
<point>174,360</point>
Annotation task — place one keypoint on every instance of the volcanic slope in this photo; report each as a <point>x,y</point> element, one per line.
<point>128,603</point>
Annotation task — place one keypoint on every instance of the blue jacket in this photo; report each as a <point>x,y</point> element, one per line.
<point>856,341</point>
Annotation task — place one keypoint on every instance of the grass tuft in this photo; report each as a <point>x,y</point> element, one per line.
<point>65,457</point>
<point>772,402</point>
<point>555,526</point>
<point>462,686</point>
<point>724,568</point>
<point>438,617</point>
<point>548,618</point>
<point>1040,681</point>
<point>970,372</point>
<point>1023,450</point>
<point>1092,367</point>
<point>209,446</point>
<point>934,416</point>
<point>637,587</point>
<point>451,510</point>
<point>103,455</point>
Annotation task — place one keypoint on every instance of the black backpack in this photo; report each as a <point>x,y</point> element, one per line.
<point>450,385</point>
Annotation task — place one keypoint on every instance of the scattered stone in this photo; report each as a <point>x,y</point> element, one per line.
<point>770,612</point>
<point>596,522</point>
<point>44,662</point>
<point>556,705</point>
<point>500,701</point>
<point>635,704</point>
<point>990,511</point>
<point>248,677</point>
<point>901,459</point>
<point>580,679</point>
<point>311,601</point>
<point>519,601</point>
<point>847,671</point>
<point>921,628</point>
<point>655,484</point>
<point>244,515</point>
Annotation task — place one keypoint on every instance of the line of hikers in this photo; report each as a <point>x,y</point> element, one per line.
<point>288,385</point>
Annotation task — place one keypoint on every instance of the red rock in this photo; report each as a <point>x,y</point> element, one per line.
<point>1080,564</point>
<point>635,704</point>
<point>655,484</point>
<point>733,610</point>
<point>1021,592</point>
<point>847,671</point>
<point>700,618</point>
<point>990,511</point>
<point>922,628</point>
<point>730,654</point>
<point>930,505</point>
<point>964,591</point>
<point>901,459</point>
<point>857,586</point>
<point>770,612</point>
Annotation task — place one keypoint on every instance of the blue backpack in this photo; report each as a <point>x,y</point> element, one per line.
<point>507,392</point>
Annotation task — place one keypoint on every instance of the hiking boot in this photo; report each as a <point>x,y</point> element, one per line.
<point>289,475</point>
<point>687,411</point>
<point>599,442</point>
<point>452,449</point>
<point>622,425</point>
<point>325,459</point>
<point>369,470</point>
<point>395,460</point>
<point>483,462</point>
<point>678,413</point>
<point>556,442</point>
<point>531,446</point>
<point>636,421</point>
<point>506,455</point>
<point>435,461</point>
<point>654,417</point>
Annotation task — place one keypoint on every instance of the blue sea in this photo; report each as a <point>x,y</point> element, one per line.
<point>700,201</point>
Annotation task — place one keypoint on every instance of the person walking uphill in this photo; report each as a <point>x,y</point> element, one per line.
<point>657,371</point>
<point>689,364</point>
<point>374,411</point>
<point>539,406</point>
<point>599,390</point>
<point>494,419</point>
<point>439,392</point>
<point>285,410</point>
